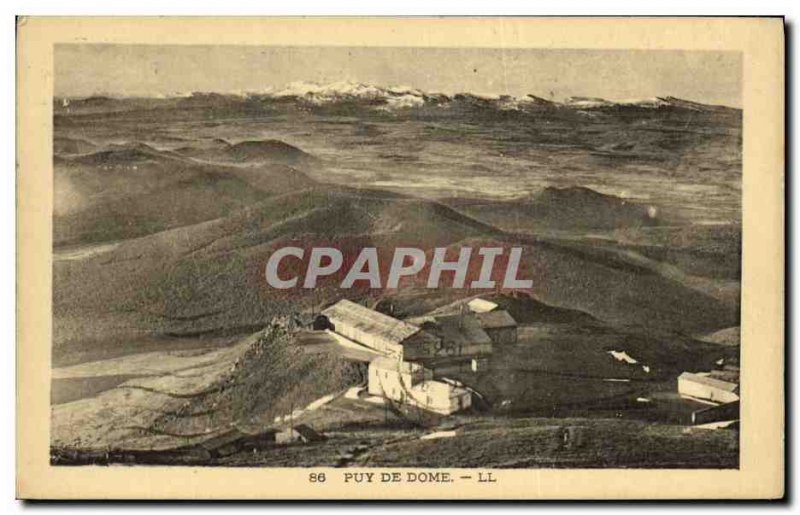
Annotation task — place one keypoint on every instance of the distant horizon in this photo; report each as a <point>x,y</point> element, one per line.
<point>187,94</point>
<point>153,71</point>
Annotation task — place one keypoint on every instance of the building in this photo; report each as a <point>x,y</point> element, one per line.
<point>726,374</point>
<point>441,398</point>
<point>459,335</point>
<point>479,364</point>
<point>411,384</point>
<point>223,444</point>
<point>299,433</point>
<point>481,305</point>
<point>391,378</point>
<point>705,387</point>
<point>727,412</point>
<point>462,340</point>
<point>466,334</point>
<point>383,333</point>
<point>499,325</point>
<point>234,440</point>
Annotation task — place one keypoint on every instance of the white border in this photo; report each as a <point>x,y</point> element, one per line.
<point>298,7</point>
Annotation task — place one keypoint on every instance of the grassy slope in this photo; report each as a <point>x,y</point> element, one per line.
<point>515,443</point>
<point>156,383</point>
<point>534,443</point>
<point>173,399</point>
<point>272,379</point>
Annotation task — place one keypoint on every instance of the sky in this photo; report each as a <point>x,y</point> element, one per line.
<point>149,70</point>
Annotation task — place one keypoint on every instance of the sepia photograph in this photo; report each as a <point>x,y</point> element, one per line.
<point>376,263</point>
<point>179,172</point>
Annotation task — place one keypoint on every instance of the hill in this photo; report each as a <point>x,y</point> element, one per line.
<point>249,152</point>
<point>207,279</point>
<point>131,191</point>
<point>267,151</point>
<point>730,336</point>
<point>571,208</point>
<point>524,309</point>
<point>63,145</point>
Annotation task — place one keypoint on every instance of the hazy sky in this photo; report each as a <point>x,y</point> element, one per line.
<point>130,70</point>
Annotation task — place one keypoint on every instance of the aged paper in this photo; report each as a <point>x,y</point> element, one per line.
<point>400,258</point>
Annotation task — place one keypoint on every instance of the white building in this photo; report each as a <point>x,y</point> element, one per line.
<point>411,384</point>
<point>705,387</point>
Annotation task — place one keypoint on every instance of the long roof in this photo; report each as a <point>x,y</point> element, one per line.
<point>710,381</point>
<point>370,321</point>
<point>496,319</point>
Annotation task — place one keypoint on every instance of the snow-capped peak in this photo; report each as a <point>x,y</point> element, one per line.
<point>344,88</point>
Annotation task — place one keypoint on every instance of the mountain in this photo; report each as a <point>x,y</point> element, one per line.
<point>310,95</point>
<point>588,102</point>
<point>402,98</point>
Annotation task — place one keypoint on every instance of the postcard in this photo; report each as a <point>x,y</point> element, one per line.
<point>400,258</point>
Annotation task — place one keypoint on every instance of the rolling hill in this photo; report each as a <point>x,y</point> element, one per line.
<point>131,191</point>
<point>570,208</point>
<point>207,280</point>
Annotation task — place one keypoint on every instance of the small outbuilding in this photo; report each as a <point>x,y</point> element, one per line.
<point>499,325</point>
<point>234,440</point>
<point>707,388</point>
<point>299,433</point>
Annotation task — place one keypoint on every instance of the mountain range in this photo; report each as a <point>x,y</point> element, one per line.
<point>386,98</point>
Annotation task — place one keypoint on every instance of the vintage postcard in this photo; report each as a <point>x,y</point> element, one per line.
<point>388,258</point>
